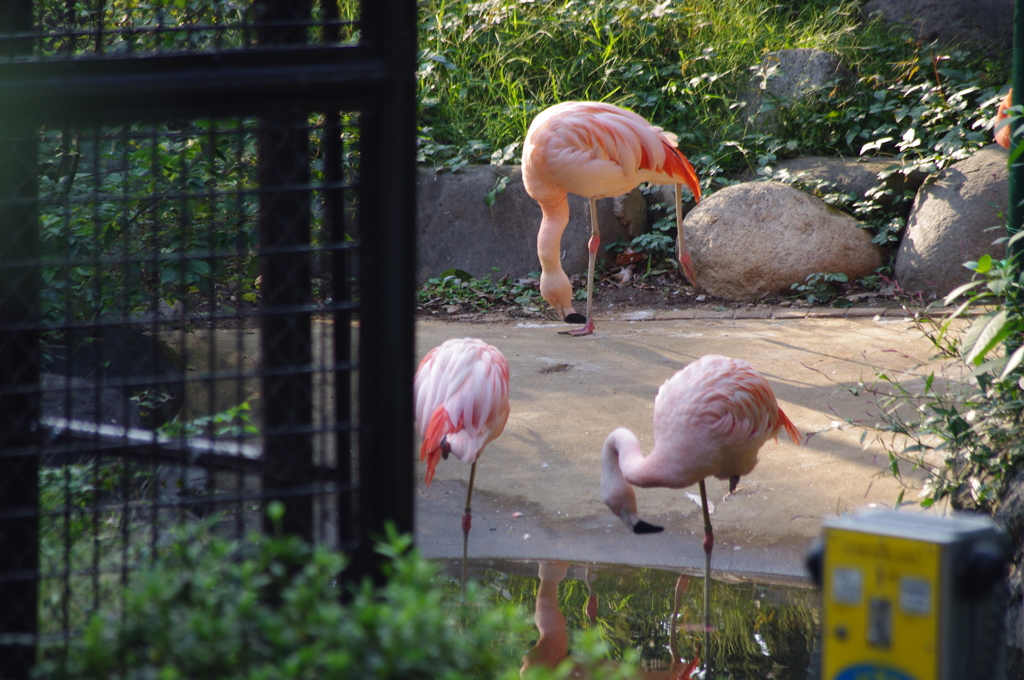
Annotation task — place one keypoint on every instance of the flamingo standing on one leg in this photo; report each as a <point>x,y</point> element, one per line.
<point>461,393</point>
<point>594,150</point>
<point>1002,130</point>
<point>710,419</point>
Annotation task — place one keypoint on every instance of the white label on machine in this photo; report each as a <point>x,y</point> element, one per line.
<point>915,595</point>
<point>847,585</point>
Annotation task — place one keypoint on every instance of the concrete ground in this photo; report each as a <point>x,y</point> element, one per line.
<point>569,393</point>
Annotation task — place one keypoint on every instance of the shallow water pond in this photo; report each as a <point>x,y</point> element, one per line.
<point>760,629</point>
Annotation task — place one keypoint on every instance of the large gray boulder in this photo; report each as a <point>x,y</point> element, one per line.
<point>456,228</point>
<point>987,23</point>
<point>955,219</point>
<point>759,238</point>
<point>784,77</point>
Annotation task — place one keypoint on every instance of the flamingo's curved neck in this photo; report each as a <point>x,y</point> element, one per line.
<point>622,463</point>
<point>555,217</point>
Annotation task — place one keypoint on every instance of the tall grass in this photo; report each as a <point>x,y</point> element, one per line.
<point>487,68</point>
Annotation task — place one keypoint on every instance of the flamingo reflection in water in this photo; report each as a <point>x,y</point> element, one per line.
<point>552,646</point>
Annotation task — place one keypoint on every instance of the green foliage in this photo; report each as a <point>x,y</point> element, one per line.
<point>108,223</point>
<point>967,433</point>
<point>487,68</point>
<point>457,287</point>
<point>820,288</point>
<point>208,608</point>
<point>81,525</point>
<point>233,422</point>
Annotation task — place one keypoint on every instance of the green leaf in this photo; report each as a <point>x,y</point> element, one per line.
<point>960,290</point>
<point>201,267</point>
<point>1013,362</point>
<point>987,332</point>
<point>457,273</point>
<point>984,264</point>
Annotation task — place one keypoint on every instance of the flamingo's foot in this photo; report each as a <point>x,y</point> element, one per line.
<point>467,522</point>
<point>577,332</point>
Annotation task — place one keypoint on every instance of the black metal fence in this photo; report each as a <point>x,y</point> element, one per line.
<point>206,257</point>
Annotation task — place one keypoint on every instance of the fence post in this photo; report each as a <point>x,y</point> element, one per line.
<point>388,249</point>
<point>285,288</point>
<point>19,376</point>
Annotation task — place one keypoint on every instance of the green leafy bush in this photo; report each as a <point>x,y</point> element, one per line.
<point>458,287</point>
<point>821,288</point>
<point>209,608</point>
<point>966,432</point>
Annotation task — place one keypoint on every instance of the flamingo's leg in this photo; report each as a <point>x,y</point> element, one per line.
<point>681,254</point>
<point>467,523</point>
<point>709,544</point>
<point>593,245</point>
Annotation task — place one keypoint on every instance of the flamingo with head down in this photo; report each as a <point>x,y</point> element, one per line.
<point>710,420</point>
<point>594,150</point>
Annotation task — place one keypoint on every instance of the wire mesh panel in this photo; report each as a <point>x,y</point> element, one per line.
<point>205,292</point>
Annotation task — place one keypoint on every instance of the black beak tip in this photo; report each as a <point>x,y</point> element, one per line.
<point>575,317</point>
<point>643,527</point>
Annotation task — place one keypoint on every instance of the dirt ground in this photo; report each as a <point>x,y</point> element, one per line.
<point>537,492</point>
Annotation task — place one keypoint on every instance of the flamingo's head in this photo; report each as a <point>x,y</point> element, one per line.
<point>557,291</point>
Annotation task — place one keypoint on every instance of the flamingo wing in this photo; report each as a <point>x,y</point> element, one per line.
<point>461,392</point>
<point>598,150</point>
<point>712,417</point>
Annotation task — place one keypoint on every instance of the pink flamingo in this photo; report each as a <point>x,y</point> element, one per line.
<point>461,393</point>
<point>1002,130</point>
<point>710,419</point>
<point>594,150</point>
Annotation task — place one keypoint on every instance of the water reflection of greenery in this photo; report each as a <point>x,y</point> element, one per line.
<point>761,630</point>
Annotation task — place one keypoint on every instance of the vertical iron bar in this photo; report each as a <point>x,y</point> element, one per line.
<point>286,288</point>
<point>334,219</point>
<point>19,402</point>
<point>286,338</point>
<point>387,253</point>
<point>19,377</point>
<point>341,320</point>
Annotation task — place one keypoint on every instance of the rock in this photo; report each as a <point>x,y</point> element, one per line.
<point>78,399</point>
<point>140,367</point>
<point>952,222</point>
<point>987,23</point>
<point>631,212</point>
<point>850,176</point>
<point>456,228</point>
<point>758,238</point>
<point>785,77</point>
